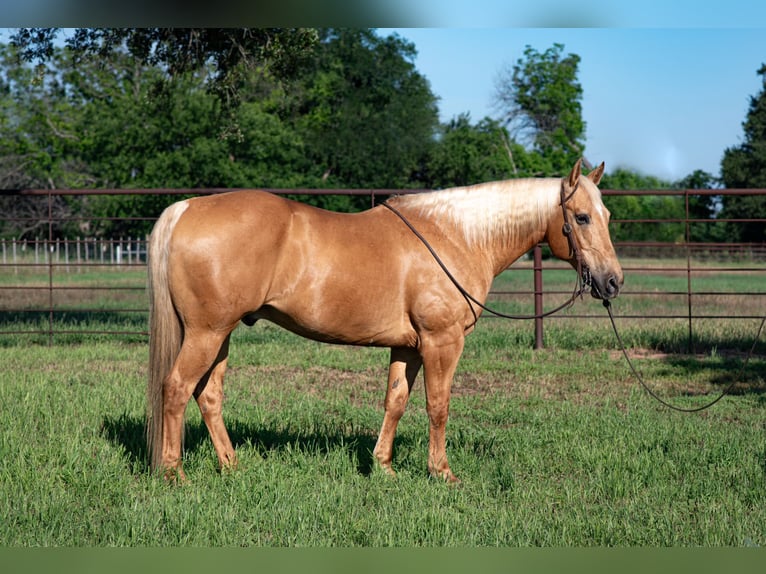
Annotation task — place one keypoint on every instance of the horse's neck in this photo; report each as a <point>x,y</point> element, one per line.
<point>498,220</point>
<point>503,254</point>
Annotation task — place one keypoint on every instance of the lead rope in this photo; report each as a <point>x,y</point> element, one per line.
<point>654,395</point>
<point>580,287</point>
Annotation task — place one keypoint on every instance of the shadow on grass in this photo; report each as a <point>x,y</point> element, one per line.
<point>721,360</point>
<point>69,317</point>
<point>128,432</point>
<point>729,369</point>
<point>705,343</point>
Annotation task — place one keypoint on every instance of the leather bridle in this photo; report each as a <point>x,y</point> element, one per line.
<point>583,271</point>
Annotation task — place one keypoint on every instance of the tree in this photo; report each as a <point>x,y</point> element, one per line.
<point>37,148</point>
<point>466,154</point>
<point>231,51</point>
<point>367,116</point>
<point>744,166</point>
<point>37,143</point>
<point>539,100</point>
<point>703,207</point>
<point>142,132</point>
<point>642,207</point>
<point>119,123</point>
<point>355,113</point>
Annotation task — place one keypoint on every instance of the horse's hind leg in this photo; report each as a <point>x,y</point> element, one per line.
<point>404,366</point>
<point>195,360</point>
<point>209,396</point>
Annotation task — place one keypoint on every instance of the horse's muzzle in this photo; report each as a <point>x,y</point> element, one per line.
<point>605,287</point>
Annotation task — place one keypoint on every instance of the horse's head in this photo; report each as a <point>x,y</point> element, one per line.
<point>579,233</point>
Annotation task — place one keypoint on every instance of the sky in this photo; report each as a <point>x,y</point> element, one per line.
<point>663,101</point>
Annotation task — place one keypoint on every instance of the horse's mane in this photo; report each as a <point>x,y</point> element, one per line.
<point>505,210</point>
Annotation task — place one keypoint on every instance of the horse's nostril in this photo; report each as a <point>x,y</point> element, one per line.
<point>612,286</point>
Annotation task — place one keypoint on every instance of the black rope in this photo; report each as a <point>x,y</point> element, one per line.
<point>654,395</point>
<point>580,287</point>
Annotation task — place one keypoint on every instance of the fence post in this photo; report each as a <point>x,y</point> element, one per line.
<point>538,273</point>
<point>50,268</point>
<point>688,270</point>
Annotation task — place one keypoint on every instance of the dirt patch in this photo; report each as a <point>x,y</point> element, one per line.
<point>637,353</point>
<point>606,381</point>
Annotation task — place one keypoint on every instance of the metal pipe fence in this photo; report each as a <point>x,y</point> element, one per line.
<point>95,285</point>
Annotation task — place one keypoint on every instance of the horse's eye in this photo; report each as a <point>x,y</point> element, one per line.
<point>582,218</point>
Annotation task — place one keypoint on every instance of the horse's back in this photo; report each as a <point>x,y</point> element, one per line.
<point>251,255</point>
<point>261,214</point>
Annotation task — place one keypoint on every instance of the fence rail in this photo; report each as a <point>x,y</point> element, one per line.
<point>45,279</point>
<point>71,254</point>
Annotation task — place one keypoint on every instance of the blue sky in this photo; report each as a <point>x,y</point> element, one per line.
<point>571,13</point>
<point>664,101</point>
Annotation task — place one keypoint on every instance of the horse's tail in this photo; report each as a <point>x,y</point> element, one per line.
<point>165,330</point>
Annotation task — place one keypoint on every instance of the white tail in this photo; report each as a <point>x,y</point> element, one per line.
<point>165,331</point>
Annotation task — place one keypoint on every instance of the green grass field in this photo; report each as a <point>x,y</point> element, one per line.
<point>558,447</point>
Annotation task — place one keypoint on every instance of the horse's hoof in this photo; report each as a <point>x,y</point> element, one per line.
<point>174,475</point>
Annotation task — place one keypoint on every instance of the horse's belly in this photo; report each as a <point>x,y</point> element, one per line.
<point>349,329</point>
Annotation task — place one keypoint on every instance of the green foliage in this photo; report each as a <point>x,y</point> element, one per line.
<point>37,128</point>
<point>704,207</point>
<point>135,109</point>
<point>467,154</point>
<point>368,117</point>
<point>637,207</point>
<point>744,166</point>
<point>180,51</point>
<point>294,108</point>
<point>540,98</point>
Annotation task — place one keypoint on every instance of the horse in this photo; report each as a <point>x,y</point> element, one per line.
<point>349,278</point>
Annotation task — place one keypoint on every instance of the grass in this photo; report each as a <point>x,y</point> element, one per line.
<point>558,447</point>
<point>554,448</point>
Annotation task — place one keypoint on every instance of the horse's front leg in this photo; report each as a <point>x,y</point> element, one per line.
<point>403,368</point>
<point>440,357</point>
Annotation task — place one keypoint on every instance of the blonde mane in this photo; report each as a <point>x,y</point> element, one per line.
<point>504,210</point>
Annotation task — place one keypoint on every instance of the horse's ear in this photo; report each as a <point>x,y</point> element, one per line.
<point>574,175</point>
<point>596,174</point>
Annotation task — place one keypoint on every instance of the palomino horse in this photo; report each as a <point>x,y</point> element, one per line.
<point>356,279</point>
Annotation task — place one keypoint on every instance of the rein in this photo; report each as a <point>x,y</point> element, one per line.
<point>583,274</point>
<point>581,286</point>
<point>654,395</point>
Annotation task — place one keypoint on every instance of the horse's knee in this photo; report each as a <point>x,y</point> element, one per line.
<point>438,412</point>
<point>396,405</point>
